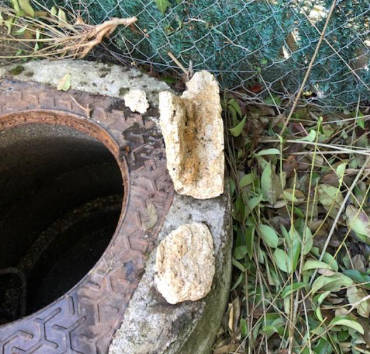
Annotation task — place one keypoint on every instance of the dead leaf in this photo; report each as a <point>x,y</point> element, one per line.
<point>355,295</point>
<point>64,83</point>
<point>331,198</point>
<point>150,218</point>
<point>359,222</point>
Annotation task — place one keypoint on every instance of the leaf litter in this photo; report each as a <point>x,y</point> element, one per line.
<point>301,259</point>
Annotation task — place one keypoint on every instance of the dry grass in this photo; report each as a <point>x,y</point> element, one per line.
<point>51,33</point>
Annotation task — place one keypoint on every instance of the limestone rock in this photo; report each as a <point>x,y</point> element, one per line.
<point>136,100</point>
<point>192,128</point>
<point>185,264</point>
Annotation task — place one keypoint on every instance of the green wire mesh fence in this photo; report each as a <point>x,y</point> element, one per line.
<point>260,49</point>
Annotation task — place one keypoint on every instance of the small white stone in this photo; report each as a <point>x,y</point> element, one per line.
<point>136,100</point>
<point>185,264</point>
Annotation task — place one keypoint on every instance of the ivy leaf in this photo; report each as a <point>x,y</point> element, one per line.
<point>237,130</point>
<point>162,5</point>
<point>347,322</point>
<point>268,235</point>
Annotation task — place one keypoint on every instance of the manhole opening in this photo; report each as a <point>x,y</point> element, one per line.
<point>61,194</point>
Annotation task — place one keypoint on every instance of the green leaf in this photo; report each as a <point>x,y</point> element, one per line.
<point>360,277</point>
<point>295,196</point>
<point>240,252</point>
<point>294,253</point>
<point>238,281</point>
<point>347,322</point>
<point>314,264</point>
<point>341,169</point>
<point>282,260</point>
<point>333,282</point>
<point>243,327</point>
<point>249,239</point>
<point>271,151</point>
<point>16,7</point>
<point>290,289</point>
<point>331,198</point>
<point>162,5</point>
<point>62,17</point>
<point>236,131</point>
<point>26,7</point>
<point>64,83</point>
<point>323,347</point>
<point>360,120</point>
<point>322,297</point>
<point>21,30</point>
<point>235,105</point>
<point>53,11</point>
<point>9,24</point>
<point>310,137</point>
<point>253,202</point>
<point>328,258</point>
<point>246,179</point>
<point>359,222</point>
<point>238,265</point>
<point>266,182</point>
<point>268,235</point>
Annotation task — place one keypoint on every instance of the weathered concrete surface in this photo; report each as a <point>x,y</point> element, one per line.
<point>193,132</point>
<point>152,325</point>
<point>97,78</point>
<point>185,264</point>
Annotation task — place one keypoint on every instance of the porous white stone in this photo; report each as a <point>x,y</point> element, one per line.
<point>136,100</point>
<point>185,264</point>
<point>192,128</point>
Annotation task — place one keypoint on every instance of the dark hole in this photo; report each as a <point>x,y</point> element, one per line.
<point>60,200</point>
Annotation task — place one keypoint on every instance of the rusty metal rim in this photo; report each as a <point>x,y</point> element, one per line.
<point>91,129</point>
